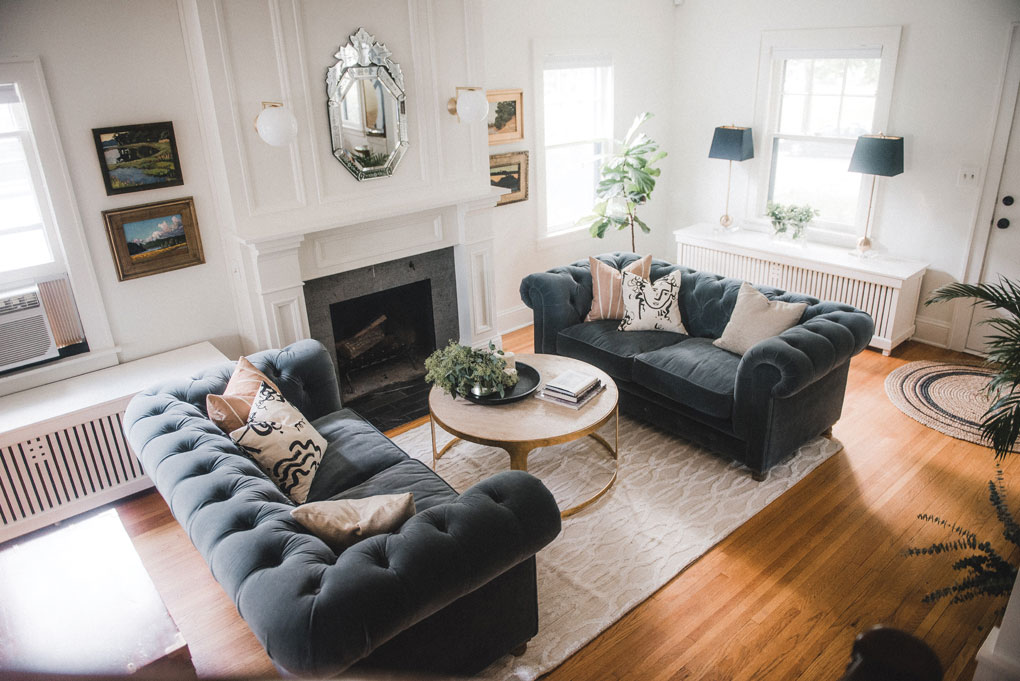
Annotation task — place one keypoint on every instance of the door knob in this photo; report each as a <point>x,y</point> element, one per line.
<point>1003,223</point>
<point>1007,200</point>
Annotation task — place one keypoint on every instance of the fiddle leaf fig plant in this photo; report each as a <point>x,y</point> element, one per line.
<point>457,369</point>
<point>627,181</point>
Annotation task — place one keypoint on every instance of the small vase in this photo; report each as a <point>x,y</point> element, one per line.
<point>789,232</point>
<point>480,391</point>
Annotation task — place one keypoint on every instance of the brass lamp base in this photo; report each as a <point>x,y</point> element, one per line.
<point>863,249</point>
<point>726,224</point>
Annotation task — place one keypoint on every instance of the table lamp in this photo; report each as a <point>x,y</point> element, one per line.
<point>733,144</point>
<point>875,155</point>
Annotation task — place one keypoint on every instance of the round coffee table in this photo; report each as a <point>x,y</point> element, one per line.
<point>520,427</point>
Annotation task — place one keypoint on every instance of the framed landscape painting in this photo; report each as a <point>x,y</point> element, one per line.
<point>506,116</point>
<point>510,171</point>
<point>154,238</point>
<point>134,158</point>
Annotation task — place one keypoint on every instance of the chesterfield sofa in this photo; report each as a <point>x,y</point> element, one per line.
<point>757,408</point>
<point>449,592</point>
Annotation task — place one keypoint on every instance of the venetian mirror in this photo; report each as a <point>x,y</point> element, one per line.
<point>367,118</point>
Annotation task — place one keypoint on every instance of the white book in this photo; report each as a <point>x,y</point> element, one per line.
<point>572,382</point>
<point>550,397</point>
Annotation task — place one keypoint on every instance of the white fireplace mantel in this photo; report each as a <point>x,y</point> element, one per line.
<point>275,269</point>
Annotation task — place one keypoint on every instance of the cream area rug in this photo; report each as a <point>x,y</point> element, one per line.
<point>671,503</point>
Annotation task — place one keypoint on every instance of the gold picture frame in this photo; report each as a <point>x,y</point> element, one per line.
<point>153,238</point>
<point>506,116</point>
<point>510,171</point>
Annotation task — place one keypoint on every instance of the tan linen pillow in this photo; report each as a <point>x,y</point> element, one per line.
<point>648,306</point>
<point>756,318</point>
<point>282,442</point>
<point>606,282</point>
<point>345,522</point>
<point>230,410</point>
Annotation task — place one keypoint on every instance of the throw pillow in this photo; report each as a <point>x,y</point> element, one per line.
<point>282,442</point>
<point>230,410</point>
<point>345,522</point>
<point>649,306</point>
<point>606,287</point>
<point>756,318</point>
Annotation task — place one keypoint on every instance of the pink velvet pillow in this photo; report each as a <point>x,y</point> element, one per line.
<point>607,287</point>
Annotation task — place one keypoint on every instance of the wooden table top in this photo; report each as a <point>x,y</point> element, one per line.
<point>77,600</point>
<point>529,420</point>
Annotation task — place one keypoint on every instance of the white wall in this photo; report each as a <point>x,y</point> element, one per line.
<point>945,91</point>
<point>119,62</point>
<point>641,37</point>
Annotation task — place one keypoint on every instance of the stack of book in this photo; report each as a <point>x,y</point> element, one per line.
<point>571,389</point>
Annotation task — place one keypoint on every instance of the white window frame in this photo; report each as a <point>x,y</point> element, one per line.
<point>585,52</point>
<point>67,236</point>
<point>777,46</point>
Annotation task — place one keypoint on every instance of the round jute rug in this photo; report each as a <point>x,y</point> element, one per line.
<point>949,398</point>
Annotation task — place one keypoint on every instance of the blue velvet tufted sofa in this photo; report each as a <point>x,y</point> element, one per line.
<point>452,590</point>
<point>756,409</point>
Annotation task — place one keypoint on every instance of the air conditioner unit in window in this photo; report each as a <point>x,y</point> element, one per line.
<point>25,334</point>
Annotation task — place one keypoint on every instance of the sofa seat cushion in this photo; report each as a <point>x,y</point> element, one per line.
<point>602,343</point>
<point>355,451</point>
<point>694,373</point>
<point>410,475</point>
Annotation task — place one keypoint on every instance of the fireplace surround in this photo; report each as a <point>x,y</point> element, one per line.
<point>398,311</point>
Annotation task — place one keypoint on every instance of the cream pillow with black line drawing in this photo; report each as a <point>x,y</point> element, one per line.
<point>282,442</point>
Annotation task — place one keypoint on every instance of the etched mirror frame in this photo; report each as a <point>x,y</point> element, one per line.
<point>363,61</point>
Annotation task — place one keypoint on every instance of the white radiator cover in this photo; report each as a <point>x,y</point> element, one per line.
<point>887,289</point>
<point>66,467</point>
<point>62,445</point>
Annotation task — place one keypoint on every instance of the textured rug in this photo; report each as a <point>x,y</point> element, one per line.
<point>672,502</point>
<point>949,398</point>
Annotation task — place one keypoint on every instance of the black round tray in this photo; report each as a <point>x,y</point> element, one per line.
<point>528,380</point>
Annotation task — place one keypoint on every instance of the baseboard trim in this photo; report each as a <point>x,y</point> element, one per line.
<point>513,318</point>
<point>932,331</point>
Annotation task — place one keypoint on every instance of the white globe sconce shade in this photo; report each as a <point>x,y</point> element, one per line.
<point>470,105</point>
<point>276,125</point>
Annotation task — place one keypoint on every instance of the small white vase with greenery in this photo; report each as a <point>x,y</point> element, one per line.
<point>789,222</point>
<point>459,370</point>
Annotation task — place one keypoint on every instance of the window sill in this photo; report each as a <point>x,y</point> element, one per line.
<point>33,377</point>
<point>814,235</point>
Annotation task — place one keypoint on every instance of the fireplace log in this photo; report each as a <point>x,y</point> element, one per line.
<point>363,340</point>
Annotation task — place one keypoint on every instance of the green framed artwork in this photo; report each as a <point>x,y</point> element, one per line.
<point>134,158</point>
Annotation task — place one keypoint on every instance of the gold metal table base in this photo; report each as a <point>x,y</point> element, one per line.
<point>519,451</point>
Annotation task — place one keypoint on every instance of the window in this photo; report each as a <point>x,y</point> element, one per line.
<point>825,88</point>
<point>26,241</point>
<point>578,134</point>
<point>41,236</point>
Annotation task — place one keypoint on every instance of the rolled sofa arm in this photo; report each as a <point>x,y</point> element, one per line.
<point>323,617</point>
<point>557,298</point>
<point>788,363</point>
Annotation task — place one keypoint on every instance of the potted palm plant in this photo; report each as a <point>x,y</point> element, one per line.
<point>627,181</point>
<point>1001,423</point>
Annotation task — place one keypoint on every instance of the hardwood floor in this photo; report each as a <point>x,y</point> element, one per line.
<point>780,598</point>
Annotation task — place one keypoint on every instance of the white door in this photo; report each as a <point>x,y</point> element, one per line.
<point>1002,256</point>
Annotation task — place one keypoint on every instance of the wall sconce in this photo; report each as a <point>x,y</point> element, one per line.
<point>470,105</point>
<point>276,125</point>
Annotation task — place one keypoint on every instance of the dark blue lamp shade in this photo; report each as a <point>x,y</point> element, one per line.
<point>878,155</point>
<point>732,143</point>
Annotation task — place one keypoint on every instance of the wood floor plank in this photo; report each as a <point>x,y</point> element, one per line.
<point>781,598</point>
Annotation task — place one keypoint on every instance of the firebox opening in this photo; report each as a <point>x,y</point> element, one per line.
<point>382,340</point>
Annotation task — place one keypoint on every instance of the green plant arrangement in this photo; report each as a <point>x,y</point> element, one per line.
<point>627,181</point>
<point>986,572</point>
<point>459,370</point>
<point>789,220</point>
<point>1000,425</point>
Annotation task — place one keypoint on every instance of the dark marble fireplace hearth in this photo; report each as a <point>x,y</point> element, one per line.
<point>380,323</point>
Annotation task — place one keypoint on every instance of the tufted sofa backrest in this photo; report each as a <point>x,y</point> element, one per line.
<point>706,299</point>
